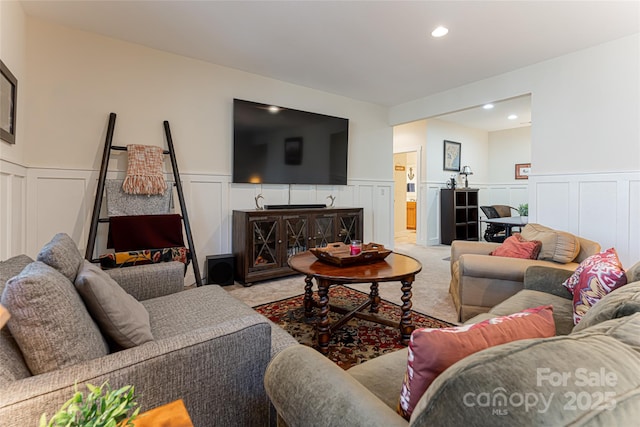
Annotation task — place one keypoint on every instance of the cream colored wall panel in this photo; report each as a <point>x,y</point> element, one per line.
<point>276,194</point>
<point>303,194</point>
<point>383,214</point>
<point>552,205</point>
<point>604,207</point>
<point>13,192</point>
<point>633,220</point>
<point>5,216</point>
<point>431,216</point>
<point>242,196</point>
<point>207,214</point>
<point>345,196</point>
<point>598,212</point>
<point>17,214</point>
<point>366,200</point>
<point>60,206</point>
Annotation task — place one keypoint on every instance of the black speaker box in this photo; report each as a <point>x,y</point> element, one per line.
<point>220,270</point>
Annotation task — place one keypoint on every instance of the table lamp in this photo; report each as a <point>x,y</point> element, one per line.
<point>466,171</point>
<point>4,316</point>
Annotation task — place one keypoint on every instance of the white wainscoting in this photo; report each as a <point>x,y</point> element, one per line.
<point>62,201</point>
<point>13,207</point>
<point>604,207</point>
<point>37,203</point>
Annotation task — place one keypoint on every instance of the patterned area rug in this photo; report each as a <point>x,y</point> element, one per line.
<point>355,342</point>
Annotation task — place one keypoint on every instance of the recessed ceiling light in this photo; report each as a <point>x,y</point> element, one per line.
<point>512,117</point>
<point>440,31</point>
<point>487,106</point>
<point>273,109</point>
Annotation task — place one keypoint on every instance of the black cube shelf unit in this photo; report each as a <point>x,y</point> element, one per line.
<point>459,215</point>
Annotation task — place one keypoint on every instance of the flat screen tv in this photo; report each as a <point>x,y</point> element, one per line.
<point>277,145</point>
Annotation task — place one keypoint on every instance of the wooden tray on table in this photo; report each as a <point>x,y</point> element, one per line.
<point>340,254</point>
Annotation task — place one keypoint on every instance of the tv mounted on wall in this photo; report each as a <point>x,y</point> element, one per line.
<point>278,145</point>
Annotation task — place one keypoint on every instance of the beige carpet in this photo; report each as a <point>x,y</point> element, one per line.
<point>430,290</point>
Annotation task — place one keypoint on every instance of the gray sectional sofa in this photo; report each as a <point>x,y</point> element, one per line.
<point>587,375</point>
<point>208,348</point>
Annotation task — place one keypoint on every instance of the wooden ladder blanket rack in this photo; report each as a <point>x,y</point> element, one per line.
<point>95,218</point>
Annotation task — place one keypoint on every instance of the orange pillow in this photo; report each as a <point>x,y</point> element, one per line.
<point>515,246</point>
<point>431,351</point>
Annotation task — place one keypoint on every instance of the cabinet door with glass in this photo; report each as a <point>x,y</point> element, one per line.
<point>296,229</point>
<point>265,243</point>
<point>322,230</point>
<point>349,224</point>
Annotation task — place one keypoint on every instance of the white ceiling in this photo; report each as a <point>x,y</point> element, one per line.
<point>374,51</point>
<point>496,118</point>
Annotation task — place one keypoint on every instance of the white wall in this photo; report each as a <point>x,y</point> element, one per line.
<point>507,148</point>
<point>580,102</point>
<point>13,174</point>
<point>585,142</point>
<point>77,78</point>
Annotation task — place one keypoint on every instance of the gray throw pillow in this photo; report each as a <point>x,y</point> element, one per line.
<point>62,254</point>
<point>12,364</point>
<point>49,321</point>
<point>119,315</point>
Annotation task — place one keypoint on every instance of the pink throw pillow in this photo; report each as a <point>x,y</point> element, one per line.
<point>594,278</point>
<point>515,246</point>
<point>431,351</point>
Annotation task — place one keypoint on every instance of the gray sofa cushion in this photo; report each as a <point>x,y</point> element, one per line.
<point>117,313</point>
<point>62,254</point>
<point>49,320</point>
<point>619,303</point>
<point>633,273</point>
<point>205,305</point>
<point>608,352</point>
<point>562,307</point>
<point>12,365</point>
<point>383,376</point>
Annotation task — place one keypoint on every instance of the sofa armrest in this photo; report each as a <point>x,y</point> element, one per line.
<point>547,279</point>
<point>461,247</point>
<point>309,390</point>
<point>218,371</point>
<point>151,280</point>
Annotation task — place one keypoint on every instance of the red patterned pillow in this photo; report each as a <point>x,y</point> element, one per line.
<point>431,351</point>
<point>594,278</point>
<point>515,246</point>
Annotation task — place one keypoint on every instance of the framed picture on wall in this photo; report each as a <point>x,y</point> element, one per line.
<point>452,156</point>
<point>523,170</point>
<point>8,99</point>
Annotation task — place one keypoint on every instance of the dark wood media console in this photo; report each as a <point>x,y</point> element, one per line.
<point>263,240</point>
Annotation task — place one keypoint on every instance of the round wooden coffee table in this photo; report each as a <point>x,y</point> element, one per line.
<point>395,267</point>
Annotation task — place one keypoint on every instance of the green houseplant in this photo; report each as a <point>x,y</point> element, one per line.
<point>523,209</point>
<point>101,407</point>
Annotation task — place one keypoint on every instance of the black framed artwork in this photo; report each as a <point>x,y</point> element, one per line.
<point>8,99</point>
<point>452,156</point>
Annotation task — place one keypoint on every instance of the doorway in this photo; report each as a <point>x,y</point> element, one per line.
<point>405,177</point>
